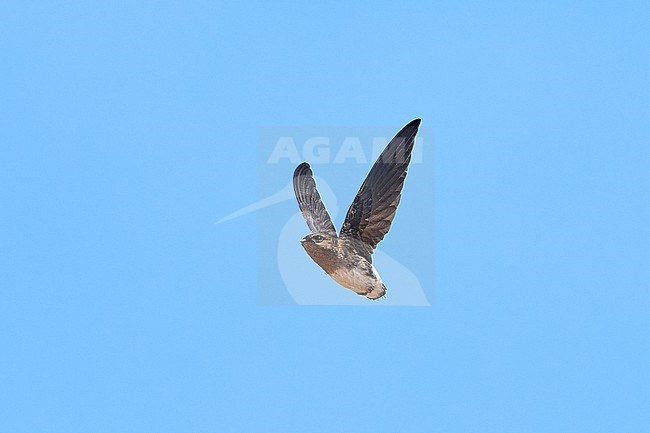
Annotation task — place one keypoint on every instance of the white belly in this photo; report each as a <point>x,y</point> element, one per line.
<point>360,282</point>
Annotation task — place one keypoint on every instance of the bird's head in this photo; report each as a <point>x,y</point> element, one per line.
<point>319,244</point>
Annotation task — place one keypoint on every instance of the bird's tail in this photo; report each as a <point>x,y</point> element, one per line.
<point>377,292</point>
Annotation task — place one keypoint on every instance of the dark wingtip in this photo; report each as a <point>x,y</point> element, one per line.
<point>410,129</point>
<point>415,122</point>
<point>302,168</point>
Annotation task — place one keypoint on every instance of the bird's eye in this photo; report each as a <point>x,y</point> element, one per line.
<point>318,238</point>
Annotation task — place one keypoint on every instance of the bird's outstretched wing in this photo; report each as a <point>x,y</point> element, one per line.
<point>311,206</point>
<point>373,209</point>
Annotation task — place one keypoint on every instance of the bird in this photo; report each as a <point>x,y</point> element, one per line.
<point>347,256</point>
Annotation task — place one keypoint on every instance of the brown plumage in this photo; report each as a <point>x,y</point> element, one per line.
<point>347,258</point>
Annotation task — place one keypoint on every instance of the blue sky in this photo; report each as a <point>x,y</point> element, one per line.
<point>129,128</point>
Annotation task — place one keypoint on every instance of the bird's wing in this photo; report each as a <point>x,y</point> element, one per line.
<point>373,209</point>
<point>311,206</point>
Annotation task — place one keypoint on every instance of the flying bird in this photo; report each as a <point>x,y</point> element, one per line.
<point>347,257</point>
